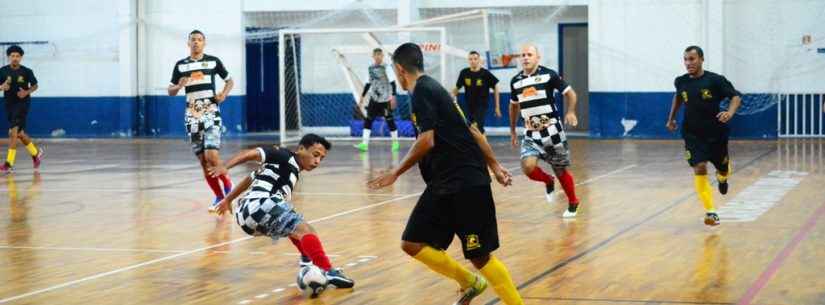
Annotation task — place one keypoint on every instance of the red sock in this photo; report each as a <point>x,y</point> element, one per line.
<point>566,181</point>
<point>214,185</point>
<point>297,244</point>
<point>227,183</point>
<point>539,175</point>
<point>312,247</point>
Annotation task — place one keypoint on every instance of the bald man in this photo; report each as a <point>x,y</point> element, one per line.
<point>531,96</point>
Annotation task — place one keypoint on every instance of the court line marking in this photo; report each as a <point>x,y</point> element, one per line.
<point>621,232</point>
<point>166,258</point>
<point>780,258</point>
<point>608,300</point>
<point>170,257</point>
<point>95,249</point>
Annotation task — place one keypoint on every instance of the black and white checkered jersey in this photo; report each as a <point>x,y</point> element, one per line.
<point>277,175</point>
<point>201,75</point>
<point>534,94</point>
<point>380,89</point>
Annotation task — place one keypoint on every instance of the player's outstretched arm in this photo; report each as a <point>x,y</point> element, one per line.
<point>240,158</point>
<point>422,145</point>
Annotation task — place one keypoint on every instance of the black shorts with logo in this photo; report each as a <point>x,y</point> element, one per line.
<point>703,148</point>
<point>469,213</point>
<point>16,113</point>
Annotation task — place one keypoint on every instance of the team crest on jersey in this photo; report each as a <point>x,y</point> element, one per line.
<point>468,82</point>
<point>479,83</point>
<point>687,155</point>
<point>21,79</point>
<point>472,242</point>
<point>684,96</point>
<point>204,64</point>
<point>706,94</point>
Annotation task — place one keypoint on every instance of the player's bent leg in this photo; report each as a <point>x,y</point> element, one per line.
<point>530,168</point>
<point>439,262</point>
<point>212,182</point>
<point>11,155</point>
<point>499,277</point>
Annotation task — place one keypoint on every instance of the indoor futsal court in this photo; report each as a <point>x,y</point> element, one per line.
<point>115,206</point>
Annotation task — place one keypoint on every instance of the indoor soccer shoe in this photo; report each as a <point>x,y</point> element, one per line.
<point>305,261</point>
<point>548,191</point>
<point>5,169</point>
<point>214,206</point>
<point>336,278</point>
<point>37,158</point>
<point>361,146</point>
<point>473,291</point>
<point>711,219</point>
<point>723,187</point>
<point>571,211</point>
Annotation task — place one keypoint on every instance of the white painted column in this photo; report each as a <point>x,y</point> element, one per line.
<point>714,35</point>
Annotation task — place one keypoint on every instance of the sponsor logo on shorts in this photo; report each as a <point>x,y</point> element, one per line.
<point>472,242</point>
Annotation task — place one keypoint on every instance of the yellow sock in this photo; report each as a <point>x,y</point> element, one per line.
<point>10,156</point>
<point>445,265</point>
<point>32,149</point>
<point>496,273</point>
<point>12,188</point>
<point>703,190</point>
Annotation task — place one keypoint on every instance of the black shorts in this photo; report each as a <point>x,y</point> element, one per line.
<point>375,109</point>
<point>16,113</point>
<point>702,149</point>
<point>469,213</point>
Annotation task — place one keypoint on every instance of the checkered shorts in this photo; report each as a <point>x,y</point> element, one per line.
<point>272,217</point>
<point>545,147</point>
<point>204,134</point>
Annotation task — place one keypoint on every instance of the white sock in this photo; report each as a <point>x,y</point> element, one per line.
<point>365,136</point>
<point>394,135</point>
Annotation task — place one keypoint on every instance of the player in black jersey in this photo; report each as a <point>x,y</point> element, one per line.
<point>453,158</point>
<point>705,125</point>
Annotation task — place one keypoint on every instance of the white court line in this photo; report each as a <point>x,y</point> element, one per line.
<point>181,191</point>
<point>166,258</point>
<point>93,249</point>
<point>591,180</point>
<point>170,257</point>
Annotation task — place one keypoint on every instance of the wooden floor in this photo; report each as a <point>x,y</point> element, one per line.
<point>125,222</point>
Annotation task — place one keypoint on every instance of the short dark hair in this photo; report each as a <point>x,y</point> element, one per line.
<point>310,139</point>
<point>474,52</point>
<point>409,56</point>
<point>14,49</point>
<point>377,50</point>
<point>697,49</point>
<point>193,32</point>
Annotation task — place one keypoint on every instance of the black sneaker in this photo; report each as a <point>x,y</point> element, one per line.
<point>337,279</point>
<point>711,219</point>
<point>305,261</point>
<point>723,187</point>
<point>548,191</point>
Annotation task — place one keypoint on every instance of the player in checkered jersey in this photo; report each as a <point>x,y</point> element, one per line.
<point>196,75</point>
<point>265,209</point>
<point>531,95</point>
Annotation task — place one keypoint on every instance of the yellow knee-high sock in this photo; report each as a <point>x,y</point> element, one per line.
<point>496,273</point>
<point>445,265</point>
<point>10,156</point>
<point>703,190</point>
<point>32,149</point>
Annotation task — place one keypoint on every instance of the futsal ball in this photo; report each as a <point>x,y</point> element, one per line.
<point>311,281</point>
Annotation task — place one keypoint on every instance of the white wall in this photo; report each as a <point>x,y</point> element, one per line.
<point>637,45</point>
<point>82,57</point>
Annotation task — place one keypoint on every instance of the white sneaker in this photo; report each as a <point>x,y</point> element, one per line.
<point>571,211</point>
